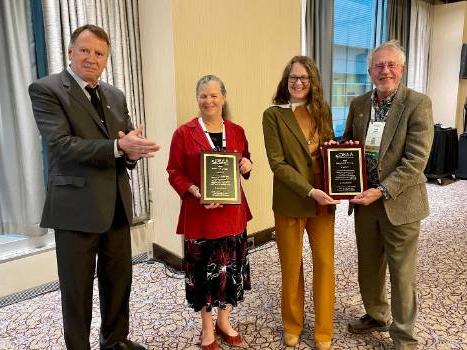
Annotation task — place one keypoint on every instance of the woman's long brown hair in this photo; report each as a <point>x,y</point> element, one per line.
<point>318,106</point>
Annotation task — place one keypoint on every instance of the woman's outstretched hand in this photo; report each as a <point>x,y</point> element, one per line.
<point>322,198</point>
<point>194,190</point>
<point>213,206</point>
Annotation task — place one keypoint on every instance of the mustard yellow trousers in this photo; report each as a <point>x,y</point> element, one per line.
<point>289,239</point>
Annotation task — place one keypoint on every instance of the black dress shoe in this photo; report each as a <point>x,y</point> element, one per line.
<point>125,345</point>
<point>367,324</point>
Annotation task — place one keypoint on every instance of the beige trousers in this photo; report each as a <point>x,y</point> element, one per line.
<point>381,245</point>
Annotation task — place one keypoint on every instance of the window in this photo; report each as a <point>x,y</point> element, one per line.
<point>21,183</point>
<point>359,26</point>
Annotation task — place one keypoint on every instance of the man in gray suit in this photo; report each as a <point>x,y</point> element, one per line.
<point>90,145</point>
<point>396,125</point>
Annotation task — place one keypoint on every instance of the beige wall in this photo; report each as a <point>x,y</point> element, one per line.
<point>156,30</point>
<point>247,44</point>
<point>27,272</point>
<point>446,45</point>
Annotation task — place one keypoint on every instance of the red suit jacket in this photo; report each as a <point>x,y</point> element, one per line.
<point>195,221</point>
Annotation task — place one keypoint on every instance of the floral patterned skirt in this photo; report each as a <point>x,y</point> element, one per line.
<point>217,271</point>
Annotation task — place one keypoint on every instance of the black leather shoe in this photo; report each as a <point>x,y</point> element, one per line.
<point>367,324</point>
<point>125,345</point>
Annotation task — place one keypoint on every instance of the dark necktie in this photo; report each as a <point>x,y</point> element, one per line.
<point>96,102</point>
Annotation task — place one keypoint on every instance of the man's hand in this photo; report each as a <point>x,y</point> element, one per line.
<point>135,145</point>
<point>245,165</point>
<point>367,197</point>
<point>322,198</point>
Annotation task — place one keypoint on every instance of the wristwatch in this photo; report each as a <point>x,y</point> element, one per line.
<point>384,191</point>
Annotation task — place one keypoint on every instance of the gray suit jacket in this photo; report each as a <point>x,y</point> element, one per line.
<point>404,151</point>
<point>83,173</point>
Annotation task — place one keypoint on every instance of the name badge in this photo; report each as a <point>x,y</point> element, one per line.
<point>374,134</point>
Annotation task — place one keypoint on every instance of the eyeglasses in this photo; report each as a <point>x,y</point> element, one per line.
<point>305,79</point>
<point>389,65</point>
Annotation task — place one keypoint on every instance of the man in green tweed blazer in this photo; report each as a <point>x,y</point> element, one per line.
<point>396,125</point>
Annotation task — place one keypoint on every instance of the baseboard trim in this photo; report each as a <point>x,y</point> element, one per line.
<point>166,257</point>
<point>50,287</point>
<point>262,237</point>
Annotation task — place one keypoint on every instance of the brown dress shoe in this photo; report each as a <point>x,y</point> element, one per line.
<point>235,340</point>
<point>367,324</point>
<point>291,339</point>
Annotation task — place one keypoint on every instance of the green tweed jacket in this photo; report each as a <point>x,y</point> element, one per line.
<point>404,151</point>
<point>290,162</point>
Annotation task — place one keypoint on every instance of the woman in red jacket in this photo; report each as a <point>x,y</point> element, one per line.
<point>215,240</point>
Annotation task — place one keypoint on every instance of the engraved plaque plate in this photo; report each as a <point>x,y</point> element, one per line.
<point>220,178</point>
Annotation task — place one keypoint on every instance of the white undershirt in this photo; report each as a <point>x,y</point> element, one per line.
<point>82,84</point>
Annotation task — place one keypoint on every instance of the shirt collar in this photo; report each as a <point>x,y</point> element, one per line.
<point>82,84</point>
<point>291,105</point>
<point>387,100</point>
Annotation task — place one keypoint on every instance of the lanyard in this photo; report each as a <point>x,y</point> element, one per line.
<point>206,133</point>
<point>373,113</point>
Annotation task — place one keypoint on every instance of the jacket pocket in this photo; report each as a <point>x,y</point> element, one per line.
<point>61,180</point>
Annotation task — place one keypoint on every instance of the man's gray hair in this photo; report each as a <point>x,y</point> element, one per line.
<point>391,44</point>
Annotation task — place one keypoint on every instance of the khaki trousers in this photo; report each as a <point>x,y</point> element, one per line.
<point>289,239</point>
<point>381,244</point>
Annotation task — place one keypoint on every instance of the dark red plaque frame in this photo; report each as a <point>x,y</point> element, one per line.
<point>353,158</point>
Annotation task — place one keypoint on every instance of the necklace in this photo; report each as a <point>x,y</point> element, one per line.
<point>214,126</point>
<point>311,139</point>
<point>312,134</point>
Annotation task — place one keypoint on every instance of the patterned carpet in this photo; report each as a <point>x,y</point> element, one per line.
<point>160,319</point>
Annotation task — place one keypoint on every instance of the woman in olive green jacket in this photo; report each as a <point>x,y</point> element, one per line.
<point>294,128</point>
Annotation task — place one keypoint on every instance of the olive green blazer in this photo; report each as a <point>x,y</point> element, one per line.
<point>290,162</point>
<point>404,151</point>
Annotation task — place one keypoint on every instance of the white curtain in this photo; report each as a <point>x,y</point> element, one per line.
<point>420,37</point>
<point>119,18</point>
<point>22,189</point>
